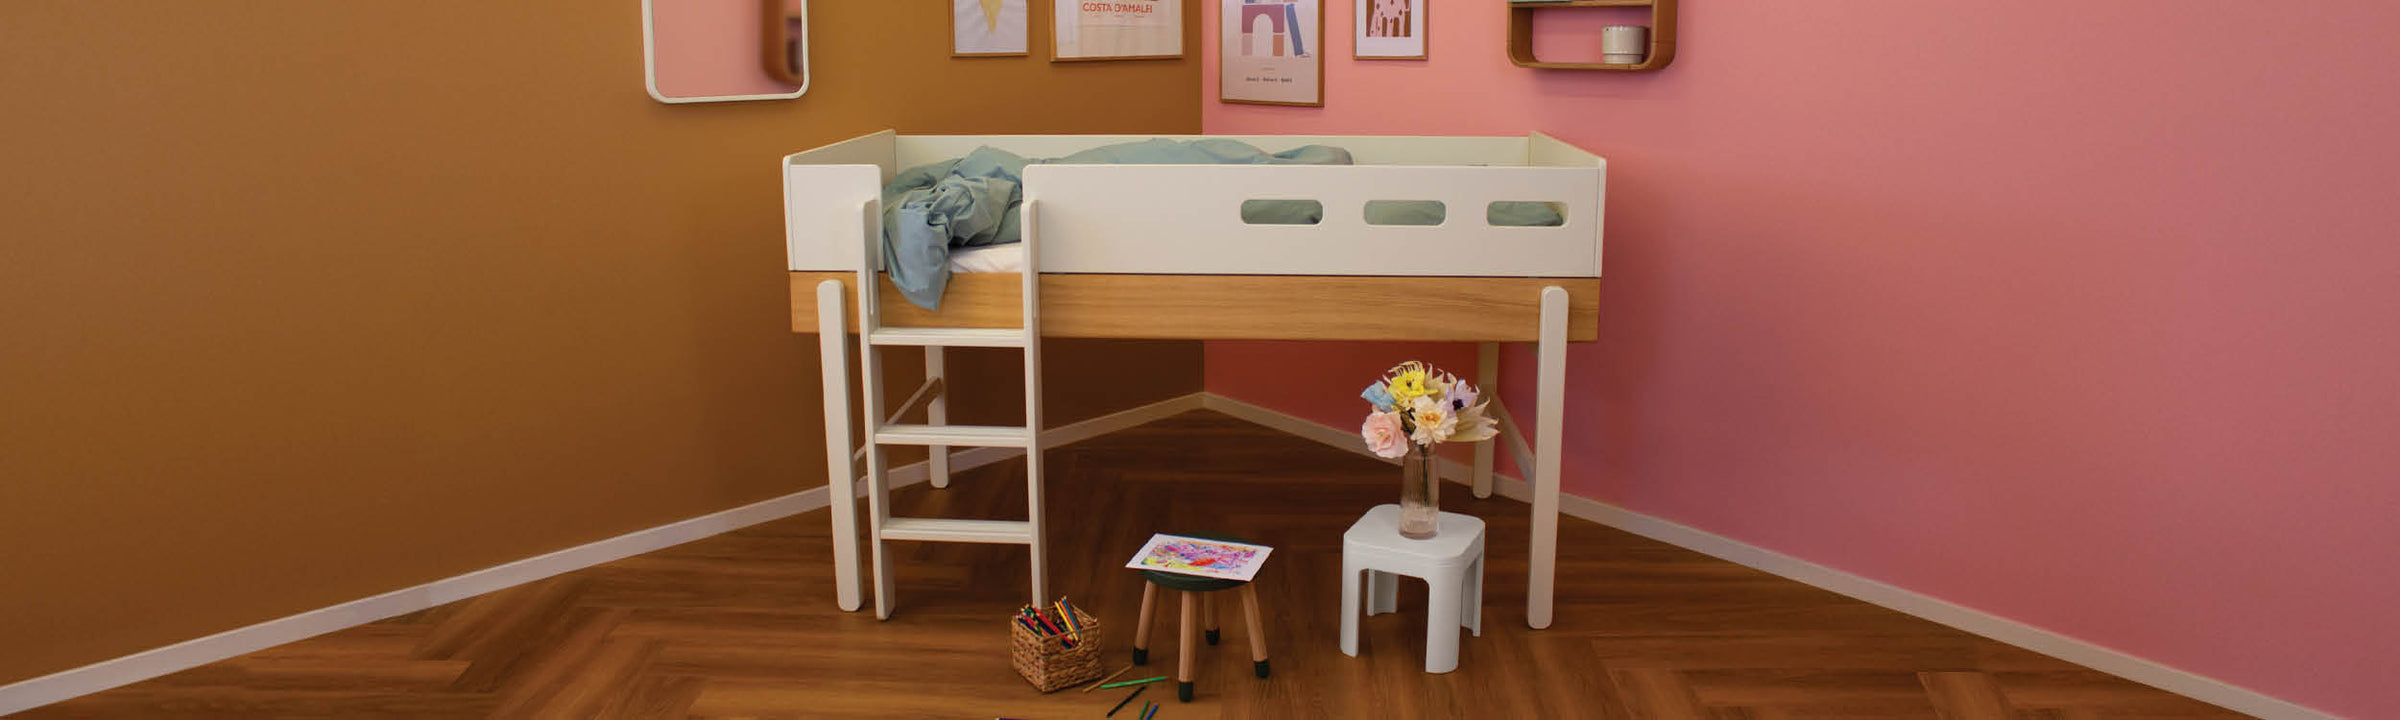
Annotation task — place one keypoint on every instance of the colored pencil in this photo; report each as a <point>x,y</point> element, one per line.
<point>1133,682</point>
<point>1068,618</point>
<point>1112,712</point>
<point>1111,676</point>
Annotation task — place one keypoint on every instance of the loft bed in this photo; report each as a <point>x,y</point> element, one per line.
<point>1165,252</point>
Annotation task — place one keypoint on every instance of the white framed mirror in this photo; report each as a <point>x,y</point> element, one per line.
<point>696,51</point>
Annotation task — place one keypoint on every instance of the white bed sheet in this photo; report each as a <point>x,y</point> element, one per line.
<point>1007,258</point>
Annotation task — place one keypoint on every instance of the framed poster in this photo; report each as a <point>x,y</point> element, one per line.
<point>1116,29</point>
<point>1271,52</point>
<point>1390,30</point>
<point>987,28</point>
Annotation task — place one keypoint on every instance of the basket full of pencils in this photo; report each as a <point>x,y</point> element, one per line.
<point>1054,646</point>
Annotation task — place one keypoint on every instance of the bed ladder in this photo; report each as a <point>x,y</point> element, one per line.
<point>937,436</point>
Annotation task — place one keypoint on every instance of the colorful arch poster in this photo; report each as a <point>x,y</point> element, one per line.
<point>1271,52</point>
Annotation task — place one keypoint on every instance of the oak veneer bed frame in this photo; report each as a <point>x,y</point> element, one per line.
<point>1161,251</point>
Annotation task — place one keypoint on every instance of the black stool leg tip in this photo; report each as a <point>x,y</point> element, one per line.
<point>1212,637</point>
<point>1141,656</point>
<point>1183,691</point>
<point>1261,667</point>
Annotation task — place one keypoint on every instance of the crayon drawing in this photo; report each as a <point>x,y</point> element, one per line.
<point>1202,557</point>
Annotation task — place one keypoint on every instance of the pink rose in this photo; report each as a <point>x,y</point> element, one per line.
<point>1385,437</point>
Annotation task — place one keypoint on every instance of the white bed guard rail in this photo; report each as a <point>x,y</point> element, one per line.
<point>1187,219</point>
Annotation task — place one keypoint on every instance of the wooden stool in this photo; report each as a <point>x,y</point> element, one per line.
<point>1198,599</point>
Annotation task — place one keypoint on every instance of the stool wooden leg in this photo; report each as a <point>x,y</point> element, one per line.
<point>1190,650</point>
<point>1208,614</point>
<point>1141,628</point>
<point>1258,630</point>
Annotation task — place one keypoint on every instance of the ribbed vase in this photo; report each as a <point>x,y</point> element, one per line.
<point>1420,494</point>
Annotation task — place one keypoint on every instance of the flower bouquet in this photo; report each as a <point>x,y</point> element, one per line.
<point>1416,408</point>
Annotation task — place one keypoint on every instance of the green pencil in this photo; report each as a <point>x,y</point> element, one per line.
<point>1133,682</point>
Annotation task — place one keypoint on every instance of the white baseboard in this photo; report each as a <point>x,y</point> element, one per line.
<point>36,692</point>
<point>2113,662</point>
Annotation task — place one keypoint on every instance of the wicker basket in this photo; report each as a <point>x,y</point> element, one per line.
<point>1047,662</point>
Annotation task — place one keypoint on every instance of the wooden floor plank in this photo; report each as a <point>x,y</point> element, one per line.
<point>1967,696</point>
<point>744,624</point>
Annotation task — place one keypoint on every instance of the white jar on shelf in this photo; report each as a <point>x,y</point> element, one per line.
<point>1624,44</point>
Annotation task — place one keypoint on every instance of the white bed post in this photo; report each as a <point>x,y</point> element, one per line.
<point>1548,441</point>
<point>841,486</point>
<point>937,413</point>
<point>1035,509</point>
<point>1487,379</point>
<point>870,375</point>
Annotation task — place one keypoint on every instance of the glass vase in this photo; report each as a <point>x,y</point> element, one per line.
<point>1420,494</point>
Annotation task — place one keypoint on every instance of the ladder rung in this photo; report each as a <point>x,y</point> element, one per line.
<point>966,531</point>
<point>949,337</point>
<point>955,435</point>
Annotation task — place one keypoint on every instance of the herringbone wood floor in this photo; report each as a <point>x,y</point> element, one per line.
<point>744,624</point>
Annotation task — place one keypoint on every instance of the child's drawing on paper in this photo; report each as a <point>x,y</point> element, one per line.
<point>1200,556</point>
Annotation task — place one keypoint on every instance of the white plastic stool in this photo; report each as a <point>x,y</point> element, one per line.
<point>1450,563</point>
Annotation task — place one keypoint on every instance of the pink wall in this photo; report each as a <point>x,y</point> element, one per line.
<point>2082,313</point>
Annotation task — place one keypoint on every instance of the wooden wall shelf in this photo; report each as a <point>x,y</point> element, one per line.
<point>1662,34</point>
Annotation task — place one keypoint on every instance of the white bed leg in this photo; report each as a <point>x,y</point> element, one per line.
<point>840,475</point>
<point>937,412</point>
<point>1548,441</point>
<point>1487,378</point>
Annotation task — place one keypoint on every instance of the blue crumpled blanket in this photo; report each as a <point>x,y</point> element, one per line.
<point>973,201</point>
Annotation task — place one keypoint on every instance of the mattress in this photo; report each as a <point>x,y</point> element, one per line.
<point>1007,258</point>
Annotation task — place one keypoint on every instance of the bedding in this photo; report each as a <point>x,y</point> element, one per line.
<point>935,215</point>
<point>988,259</point>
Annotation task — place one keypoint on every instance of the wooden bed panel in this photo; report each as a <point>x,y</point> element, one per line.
<point>1239,307</point>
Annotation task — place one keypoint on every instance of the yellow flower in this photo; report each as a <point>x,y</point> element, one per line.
<point>1408,383</point>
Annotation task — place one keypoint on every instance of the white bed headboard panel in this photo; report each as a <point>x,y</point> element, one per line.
<point>1186,219</point>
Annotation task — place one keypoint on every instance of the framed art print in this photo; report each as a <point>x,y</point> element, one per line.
<point>1390,30</point>
<point>1271,52</point>
<point>1116,30</point>
<point>987,28</point>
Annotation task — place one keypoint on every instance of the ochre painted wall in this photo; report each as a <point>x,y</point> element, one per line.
<point>2080,313</point>
<point>302,302</point>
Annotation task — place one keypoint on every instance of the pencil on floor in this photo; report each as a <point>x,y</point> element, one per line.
<point>1111,676</point>
<point>1133,682</point>
<point>1112,712</point>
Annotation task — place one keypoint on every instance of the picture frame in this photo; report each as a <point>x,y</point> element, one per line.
<point>1271,52</point>
<point>989,28</point>
<point>1390,30</point>
<point>1097,30</point>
